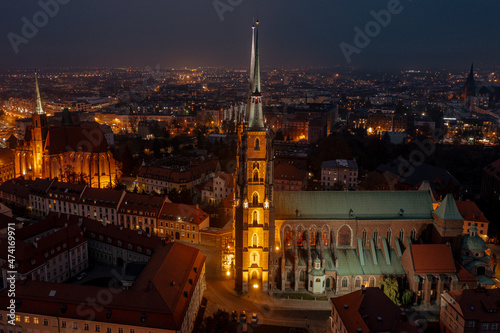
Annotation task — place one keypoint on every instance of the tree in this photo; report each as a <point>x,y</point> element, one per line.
<point>407,297</point>
<point>390,285</point>
<point>219,322</point>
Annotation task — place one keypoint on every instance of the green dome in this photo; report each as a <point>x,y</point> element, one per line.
<point>473,243</point>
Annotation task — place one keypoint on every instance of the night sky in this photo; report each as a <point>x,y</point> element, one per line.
<point>426,34</point>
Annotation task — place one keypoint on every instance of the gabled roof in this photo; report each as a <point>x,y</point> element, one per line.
<point>401,205</point>
<point>432,258</point>
<point>371,311</point>
<point>448,210</point>
<point>478,304</point>
<point>471,212</point>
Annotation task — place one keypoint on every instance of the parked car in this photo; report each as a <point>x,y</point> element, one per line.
<point>254,318</point>
<point>243,317</point>
<point>81,276</point>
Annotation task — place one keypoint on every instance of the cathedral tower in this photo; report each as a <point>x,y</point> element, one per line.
<point>38,134</point>
<point>254,212</point>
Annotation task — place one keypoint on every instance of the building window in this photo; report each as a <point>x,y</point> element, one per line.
<point>375,237</point>
<point>86,327</point>
<point>255,217</point>
<point>75,325</point>
<point>401,235</point>
<point>413,234</point>
<point>45,322</point>
<point>472,324</point>
<point>494,326</point>
<point>389,235</point>
<point>120,330</point>
<point>255,240</point>
<point>35,320</point>
<point>357,283</point>
<point>485,327</point>
<point>108,329</point>
<point>257,144</point>
<point>344,282</point>
<point>26,319</point>
<point>132,330</point>
<point>364,238</point>
<point>63,324</point>
<point>97,328</point>
<point>18,318</point>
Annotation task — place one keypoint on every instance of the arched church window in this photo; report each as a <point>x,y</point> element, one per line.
<point>413,234</point>
<point>257,144</point>
<point>254,257</point>
<point>344,282</point>
<point>255,240</point>
<point>401,235</point>
<point>363,239</point>
<point>256,175</point>
<point>375,237</point>
<point>372,281</point>
<point>324,236</point>
<point>255,217</point>
<point>312,241</point>
<point>300,236</point>
<point>357,283</point>
<point>344,236</point>
<point>255,199</point>
<point>389,235</point>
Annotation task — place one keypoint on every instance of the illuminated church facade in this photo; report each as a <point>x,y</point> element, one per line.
<point>318,241</point>
<point>67,152</point>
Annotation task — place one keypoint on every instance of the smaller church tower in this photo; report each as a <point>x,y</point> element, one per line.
<point>38,133</point>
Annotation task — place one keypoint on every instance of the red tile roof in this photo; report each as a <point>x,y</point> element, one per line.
<point>470,211</point>
<point>101,197</point>
<point>285,171</point>
<point>142,203</point>
<point>478,304</point>
<point>121,237</point>
<point>432,258</point>
<point>74,138</point>
<point>359,310</point>
<point>188,213</point>
<point>463,274</point>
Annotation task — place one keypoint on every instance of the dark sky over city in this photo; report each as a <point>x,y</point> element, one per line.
<point>424,34</point>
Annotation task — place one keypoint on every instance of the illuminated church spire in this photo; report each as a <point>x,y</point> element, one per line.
<point>256,118</point>
<point>38,102</point>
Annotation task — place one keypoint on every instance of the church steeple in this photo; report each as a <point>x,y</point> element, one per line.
<point>256,118</point>
<point>38,102</point>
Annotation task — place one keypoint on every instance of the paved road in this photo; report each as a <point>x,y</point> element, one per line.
<point>270,311</point>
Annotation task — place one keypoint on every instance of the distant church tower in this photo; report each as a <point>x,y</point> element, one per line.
<point>254,212</point>
<point>38,133</point>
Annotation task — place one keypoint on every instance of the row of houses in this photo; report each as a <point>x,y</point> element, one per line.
<point>152,214</point>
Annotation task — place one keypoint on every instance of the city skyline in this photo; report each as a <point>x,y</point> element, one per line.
<point>418,35</point>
